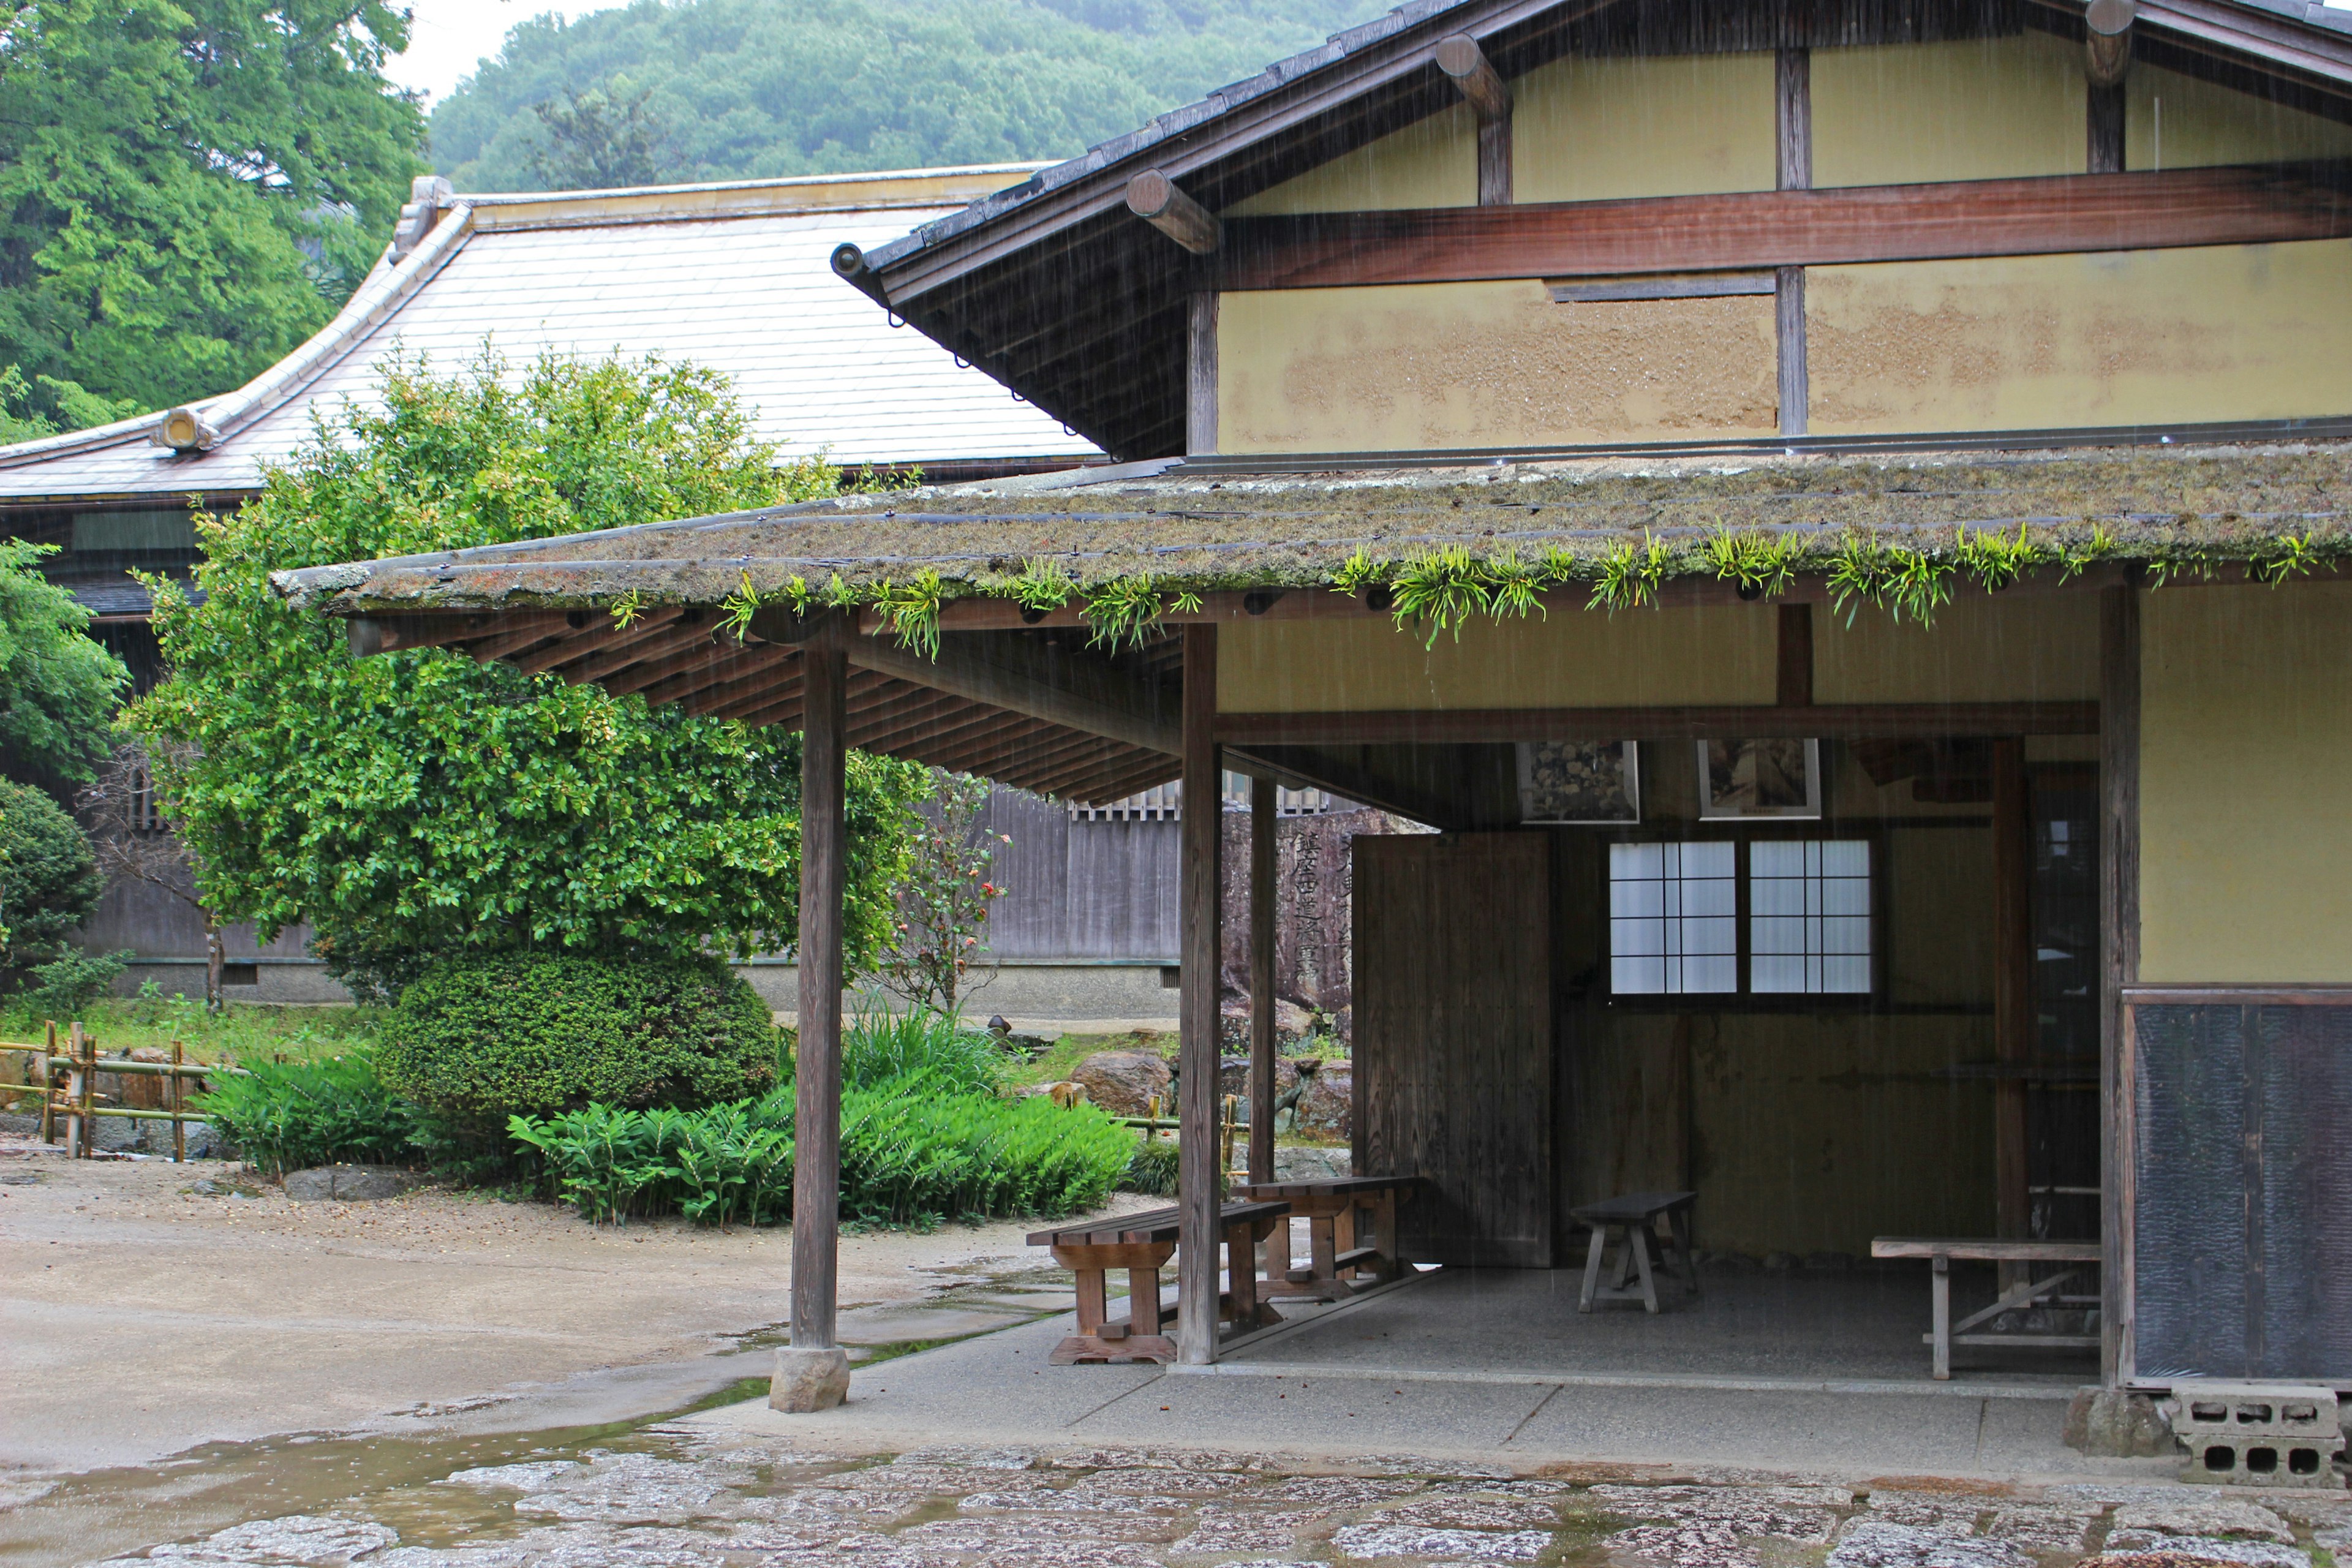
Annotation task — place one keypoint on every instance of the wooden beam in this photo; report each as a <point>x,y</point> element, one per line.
<point>1320,770</point>
<point>604,643</point>
<point>1459,57</point>
<point>1199,1181</point>
<point>1200,376</point>
<point>2119,729</point>
<point>2108,40</point>
<point>696,649</point>
<point>1075,690</point>
<point>367,636</point>
<point>1262,1000</point>
<point>688,628</point>
<point>1792,115</point>
<point>2014,1042</point>
<point>719,669</point>
<point>1153,197</point>
<point>1457,726</point>
<point>1745,230</point>
<point>1794,677</point>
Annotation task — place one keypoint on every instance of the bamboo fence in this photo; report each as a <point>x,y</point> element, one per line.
<point>76,1101</point>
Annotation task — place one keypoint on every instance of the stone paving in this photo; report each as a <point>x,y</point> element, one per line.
<point>670,1497</point>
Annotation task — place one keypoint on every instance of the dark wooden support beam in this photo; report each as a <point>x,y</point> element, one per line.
<point>602,644</point>
<point>2013,1023</point>
<point>600,666</point>
<point>1068,767</point>
<point>367,636</point>
<point>514,639</point>
<point>1075,690</point>
<point>1794,677</point>
<point>1741,231</point>
<point>2106,63</point>
<point>1449,727</point>
<point>905,717</point>
<point>1117,781</point>
<point>1199,1181</point>
<point>816,1120</point>
<point>2119,730</point>
<point>1153,197</point>
<point>692,651</point>
<point>1200,376</point>
<point>1461,58</point>
<point>719,668</point>
<point>1032,741</point>
<point>1262,1002</point>
<point>1310,768</point>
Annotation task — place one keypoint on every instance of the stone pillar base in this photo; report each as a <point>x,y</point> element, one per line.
<point>809,1380</point>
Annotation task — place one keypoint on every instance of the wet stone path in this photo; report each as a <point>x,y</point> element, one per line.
<point>681,1496</point>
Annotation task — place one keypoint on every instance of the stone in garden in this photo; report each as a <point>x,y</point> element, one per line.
<point>298,1538</point>
<point>2044,1527</point>
<point>1313,1163</point>
<point>1233,1075</point>
<point>1292,1023</point>
<point>1124,1083</point>
<point>1444,1545</point>
<point>2117,1425</point>
<point>1875,1543</point>
<point>2218,1516</point>
<point>1328,1104</point>
<point>2189,1551</point>
<point>807,1381</point>
<point>349,1184</point>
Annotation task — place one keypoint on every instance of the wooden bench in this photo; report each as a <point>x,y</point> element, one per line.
<point>1369,1252</point>
<point>1945,1333</point>
<point>1140,1244</point>
<point>1636,1215</point>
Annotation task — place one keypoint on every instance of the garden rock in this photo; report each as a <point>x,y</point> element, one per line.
<point>2137,1523</point>
<point>2140,1550</point>
<point>2117,1425</point>
<point>1313,1163</point>
<point>349,1184</point>
<point>1233,1075</point>
<point>1124,1083</point>
<point>1292,1023</point>
<point>1328,1104</point>
<point>1869,1543</point>
<point>1455,1546</point>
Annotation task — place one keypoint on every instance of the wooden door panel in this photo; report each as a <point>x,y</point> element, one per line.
<point>1453,1038</point>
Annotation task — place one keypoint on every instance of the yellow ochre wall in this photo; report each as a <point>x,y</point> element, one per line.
<point>1433,366</point>
<point>2253,331</point>
<point>1597,129</point>
<point>1983,648</point>
<point>2246,784</point>
<point>2175,122</point>
<point>1982,109</point>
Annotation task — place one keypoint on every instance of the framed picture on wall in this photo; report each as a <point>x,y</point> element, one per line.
<point>1579,781</point>
<point>1759,779</point>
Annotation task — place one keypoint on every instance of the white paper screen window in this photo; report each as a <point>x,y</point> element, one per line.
<point>1674,918</point>
<point>1809,915</point>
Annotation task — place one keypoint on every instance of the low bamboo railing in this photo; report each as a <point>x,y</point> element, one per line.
<point>74,1101</point>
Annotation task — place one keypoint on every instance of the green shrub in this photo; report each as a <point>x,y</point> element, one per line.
<point>486,1037</point>
<point>1151,1170</point>
<point>49,881</point>
<point>880,1044</point>
<point>288,1116</point>
<point>913,1151</point>
<point>65,985</point>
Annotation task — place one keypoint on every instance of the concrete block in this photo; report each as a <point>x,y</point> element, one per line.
<point>809,1380</point>
<point>2258,1435</point>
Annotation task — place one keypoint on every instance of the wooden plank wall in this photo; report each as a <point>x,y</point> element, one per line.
<point>1453,1047</point>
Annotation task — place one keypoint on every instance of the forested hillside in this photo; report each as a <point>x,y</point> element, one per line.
<point>714,90</point>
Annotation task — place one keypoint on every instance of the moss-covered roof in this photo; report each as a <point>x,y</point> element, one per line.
<point>1878,526</point>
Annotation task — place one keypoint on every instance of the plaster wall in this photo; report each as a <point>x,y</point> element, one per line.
<point>1983,648</point>
<point>1980,109</point>
<point>2175,122</point>
<point>2114,338</point>
<point>1572,658</point>
<point>1605,129</point>
<point>1432,162</point>
<point>1435,366</point>
<point>2246,784</point>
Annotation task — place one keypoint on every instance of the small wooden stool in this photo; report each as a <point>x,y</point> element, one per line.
<point>1636,1215</point>
<point>1140,1244</point>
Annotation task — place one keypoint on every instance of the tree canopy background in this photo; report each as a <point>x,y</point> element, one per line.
<point>188,189</point>
<point>721,90</point>
<point>57,688</point>
<point>417,804</point>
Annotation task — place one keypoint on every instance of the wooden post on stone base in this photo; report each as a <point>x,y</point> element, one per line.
<point>1199,1184</point>
<point>813,1373</point>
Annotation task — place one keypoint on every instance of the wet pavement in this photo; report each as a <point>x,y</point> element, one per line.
<point>675,1493</point>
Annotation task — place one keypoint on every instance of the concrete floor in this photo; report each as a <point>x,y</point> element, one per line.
<point>1861,1327</point>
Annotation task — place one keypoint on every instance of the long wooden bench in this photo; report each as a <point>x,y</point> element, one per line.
<point>1140,1244</point>
<point>1939,1251</point>
<point>1337,1265</point>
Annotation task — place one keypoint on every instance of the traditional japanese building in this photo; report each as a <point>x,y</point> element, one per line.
<point>1836,510</point>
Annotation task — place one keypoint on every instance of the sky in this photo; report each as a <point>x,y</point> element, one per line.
<point>448,37</point>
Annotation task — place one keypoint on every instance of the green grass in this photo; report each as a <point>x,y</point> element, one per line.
<point>1063,1056</point>
<point>242,1032</point>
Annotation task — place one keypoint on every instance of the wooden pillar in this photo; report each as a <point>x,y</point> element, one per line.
<point>1200,376</point>
<point>813,1374</point>
<point>1793,687</point>
<point>2013,1026</point>
<point>1793,78</point>
<point>1460,56</point>
<point>1261,982</point>
<point>1199,1183</point>
<point>2120,712</point>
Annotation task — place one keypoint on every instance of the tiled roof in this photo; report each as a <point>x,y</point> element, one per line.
<point>735,277</point>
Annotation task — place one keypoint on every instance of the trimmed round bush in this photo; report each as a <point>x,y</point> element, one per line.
<point>49,881</point>
<point>540,1033</point>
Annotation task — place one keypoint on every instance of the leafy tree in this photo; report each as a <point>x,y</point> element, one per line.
<point>188,190</point>
<point>416,804</point>
<point>57,688</point>
<point>944,896</point>
<point>764,88</point>
<point>48,880</point>
<point>599,141</point>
